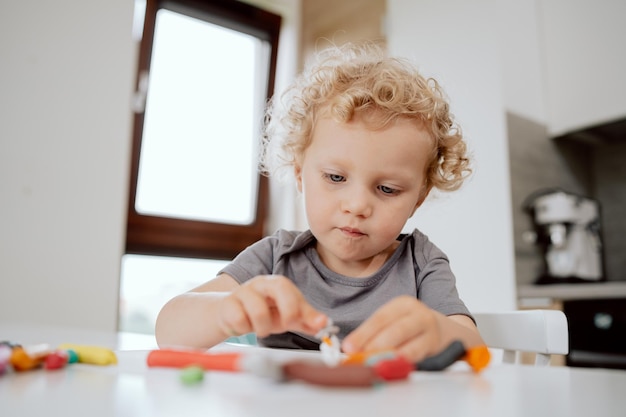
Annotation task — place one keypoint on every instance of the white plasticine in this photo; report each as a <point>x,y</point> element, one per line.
<point>330,346</point>
<point>331,353</point>
<point>262,366</point>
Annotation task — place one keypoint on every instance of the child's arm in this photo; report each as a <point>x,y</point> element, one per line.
<point>415,331</point>
<point>220,308</point>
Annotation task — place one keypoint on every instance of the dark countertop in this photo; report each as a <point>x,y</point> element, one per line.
<point>563,292</point>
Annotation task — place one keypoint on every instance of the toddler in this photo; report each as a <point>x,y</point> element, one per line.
<point>366,138</point>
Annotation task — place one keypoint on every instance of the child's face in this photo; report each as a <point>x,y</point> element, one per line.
<point>360,186</point>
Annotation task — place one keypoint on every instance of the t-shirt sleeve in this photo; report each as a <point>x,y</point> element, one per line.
<point>436,283</point>
<point>256,259</point>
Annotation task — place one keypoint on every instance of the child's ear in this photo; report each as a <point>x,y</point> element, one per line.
<point>297,170</point>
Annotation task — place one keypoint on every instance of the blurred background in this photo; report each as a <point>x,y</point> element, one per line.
<point>536,85</point>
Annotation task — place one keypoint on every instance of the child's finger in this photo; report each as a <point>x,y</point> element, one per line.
<point>415,349</point>
<point>384,322</point>
<point>312,320</point>
<point>294,312</point>
<point>258,310</point>
<point>287,299</point>
<point>407,334</point>
<point>297,314</point>
<point>360,339</point>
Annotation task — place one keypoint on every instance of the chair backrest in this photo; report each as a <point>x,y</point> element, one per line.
<point>543,332</point>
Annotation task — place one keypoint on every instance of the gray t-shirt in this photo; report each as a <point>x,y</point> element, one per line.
<point>417,268</point>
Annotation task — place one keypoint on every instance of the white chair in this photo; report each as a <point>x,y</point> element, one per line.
<point>543,332</point>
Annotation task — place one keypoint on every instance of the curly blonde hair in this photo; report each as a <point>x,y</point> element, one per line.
<point>360,79</point>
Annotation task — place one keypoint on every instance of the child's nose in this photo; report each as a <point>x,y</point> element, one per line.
<point>356,202</point>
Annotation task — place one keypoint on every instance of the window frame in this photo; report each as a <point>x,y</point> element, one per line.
<point>165,236</point>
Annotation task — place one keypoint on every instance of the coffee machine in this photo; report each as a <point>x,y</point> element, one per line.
<point>567,231</point>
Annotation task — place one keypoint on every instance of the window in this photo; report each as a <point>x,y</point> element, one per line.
<point>148,282</point>
<point>206,69</point>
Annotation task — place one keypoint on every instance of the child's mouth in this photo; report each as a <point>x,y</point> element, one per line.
<point>351,232</point>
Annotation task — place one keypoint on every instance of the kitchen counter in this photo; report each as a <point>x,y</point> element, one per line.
<point>596,317</point>
<point>565,292</point>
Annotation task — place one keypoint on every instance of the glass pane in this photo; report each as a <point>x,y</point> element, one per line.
<point>148,282</point>
<point>204,104</point>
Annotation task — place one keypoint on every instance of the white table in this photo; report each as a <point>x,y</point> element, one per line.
<point>132,389</point>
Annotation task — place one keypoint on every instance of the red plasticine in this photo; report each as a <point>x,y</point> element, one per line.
<point>393,369</point>
<point>56,360</point>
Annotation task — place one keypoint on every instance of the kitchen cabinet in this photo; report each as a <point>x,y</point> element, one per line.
<point>583,51</point>
<point>596,332</point>
<point>564,62</point>
<point>596,315</point>
<point>539,295</point>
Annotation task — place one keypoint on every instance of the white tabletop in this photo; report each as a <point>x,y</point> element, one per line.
<point>130,388</point>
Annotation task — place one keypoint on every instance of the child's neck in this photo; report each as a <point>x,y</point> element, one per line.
<point>362,268</point>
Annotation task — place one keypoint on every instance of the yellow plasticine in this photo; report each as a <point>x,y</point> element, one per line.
<point>94,355</point>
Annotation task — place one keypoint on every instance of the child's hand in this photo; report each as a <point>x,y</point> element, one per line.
<point>265,305</point>
<point>405,325</point>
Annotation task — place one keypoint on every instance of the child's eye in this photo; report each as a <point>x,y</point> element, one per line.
<point>335,177</point>
<point>387,190</point>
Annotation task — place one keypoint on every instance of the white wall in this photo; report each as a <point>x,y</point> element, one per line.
<point>67,70</point>
<point>521,52</point>
<point>456,42</point>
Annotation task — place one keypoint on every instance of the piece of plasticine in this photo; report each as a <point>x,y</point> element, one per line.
<point>192,375</point>
<point>339,376</point>
<point>72,356</point>
<point>22,361</point>
<point>442,360</point>
<point>94,355</point>
<point>24,358</point>
<point>478,357</point>
<point>393,369</point>
<point>172,358</point>
<point>56,360</point>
